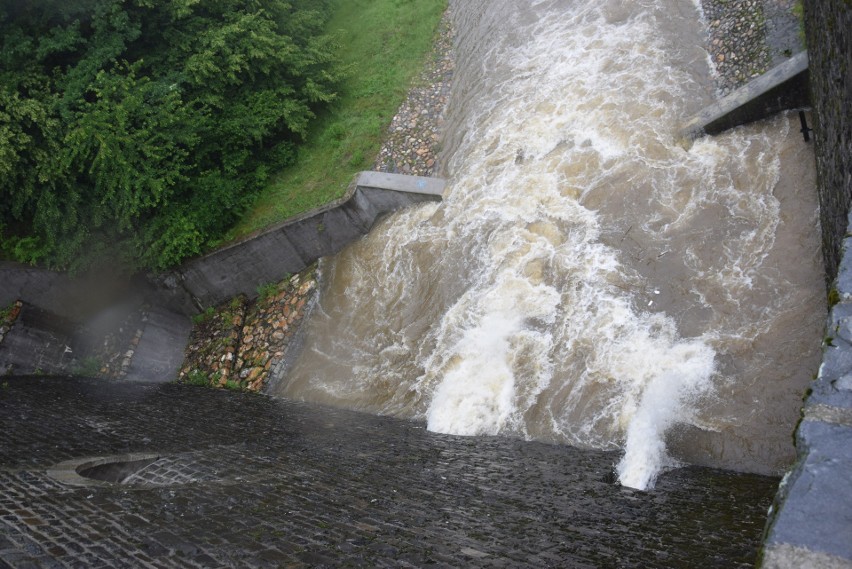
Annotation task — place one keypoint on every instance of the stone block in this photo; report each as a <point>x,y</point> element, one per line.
<point>816,506</point>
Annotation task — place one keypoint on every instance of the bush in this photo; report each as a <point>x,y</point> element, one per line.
<point>139,130</point>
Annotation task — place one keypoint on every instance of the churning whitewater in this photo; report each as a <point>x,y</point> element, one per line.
<point>586,280</point>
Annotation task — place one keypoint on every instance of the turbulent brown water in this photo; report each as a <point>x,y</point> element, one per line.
<point>587,280</point>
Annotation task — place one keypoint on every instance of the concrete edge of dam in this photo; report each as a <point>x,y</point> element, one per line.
<point>781,88</point>
<point>294,244</point>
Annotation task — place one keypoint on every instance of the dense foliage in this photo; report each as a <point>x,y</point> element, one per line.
<point>138,129</point>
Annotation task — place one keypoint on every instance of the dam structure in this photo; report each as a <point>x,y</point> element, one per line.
<point>586,280</point>
<point>585,346</point>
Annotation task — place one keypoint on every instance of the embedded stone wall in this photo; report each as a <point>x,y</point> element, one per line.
<point>239,343</point>
<point>828,24</point>
<point>810,524</point>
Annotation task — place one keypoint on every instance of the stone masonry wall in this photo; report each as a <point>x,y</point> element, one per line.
<point>828,24</point>
<point>239,343</point>
<point>809,524</point>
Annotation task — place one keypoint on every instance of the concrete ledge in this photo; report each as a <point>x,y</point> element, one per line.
<point>236,269</point>
<point>401,183</point>
<point>295,244</point>
<point>783,87</point>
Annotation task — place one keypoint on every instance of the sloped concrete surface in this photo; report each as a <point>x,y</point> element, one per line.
<point>295,244</point>
<point>242,480</point>
<point>160,352</point>
<point>781,88</point>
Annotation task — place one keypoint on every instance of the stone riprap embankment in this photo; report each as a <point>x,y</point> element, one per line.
<point>413,140</point>
<point>748,37</point>
<point>218,478</point>
<point>239,343</point>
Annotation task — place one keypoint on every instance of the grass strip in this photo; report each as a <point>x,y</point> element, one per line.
<point>384,43</point>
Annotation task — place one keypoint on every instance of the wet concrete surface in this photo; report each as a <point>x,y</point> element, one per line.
<point>243,480</point>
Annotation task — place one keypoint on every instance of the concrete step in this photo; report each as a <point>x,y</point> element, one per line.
<point>159,354</point>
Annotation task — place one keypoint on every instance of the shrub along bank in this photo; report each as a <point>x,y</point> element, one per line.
<point>138,129</point>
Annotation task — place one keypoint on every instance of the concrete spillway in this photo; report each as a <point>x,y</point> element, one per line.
<point>213,478</point>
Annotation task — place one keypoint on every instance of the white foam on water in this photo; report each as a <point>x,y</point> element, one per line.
<point>669,397</point>
<point>517,164</point>
<point>511,308</point>
<point>476,389</point>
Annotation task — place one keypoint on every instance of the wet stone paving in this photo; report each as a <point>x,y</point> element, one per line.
<point>236,479</point>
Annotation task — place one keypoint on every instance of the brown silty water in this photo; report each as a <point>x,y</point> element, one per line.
<point>587,280</point>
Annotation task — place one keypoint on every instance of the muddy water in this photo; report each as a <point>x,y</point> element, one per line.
<point>587,280</point>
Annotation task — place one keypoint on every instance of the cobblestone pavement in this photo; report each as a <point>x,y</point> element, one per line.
<point>243,480</point>
<point>413,140</point>
<point>749,37</point>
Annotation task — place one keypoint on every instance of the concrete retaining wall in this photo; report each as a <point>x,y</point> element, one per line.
<point>811,521</point>
<point>295,244</point>
<point>781,88</point>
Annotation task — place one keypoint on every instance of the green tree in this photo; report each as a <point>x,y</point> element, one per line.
<point>141,128</point>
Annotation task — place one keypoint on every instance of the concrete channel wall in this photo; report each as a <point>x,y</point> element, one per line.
<point>811,521</point>
<point>296,243</point>
<point>781,88</point>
